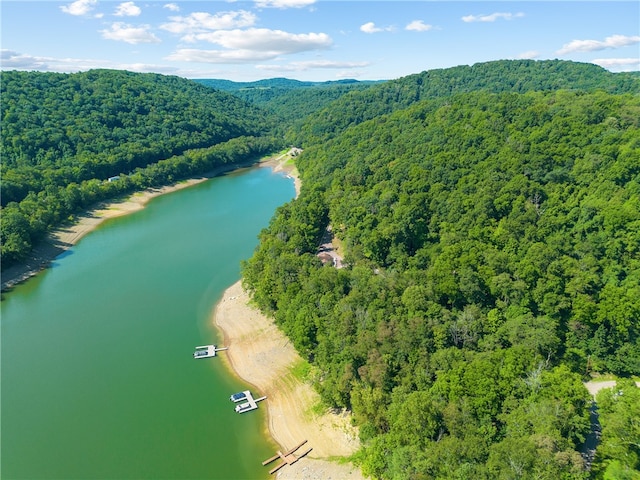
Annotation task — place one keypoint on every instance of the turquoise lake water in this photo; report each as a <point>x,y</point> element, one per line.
<point>98,377</point>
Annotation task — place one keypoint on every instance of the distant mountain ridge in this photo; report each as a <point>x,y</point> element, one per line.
<point>278,82</point>
<point>291,100</point>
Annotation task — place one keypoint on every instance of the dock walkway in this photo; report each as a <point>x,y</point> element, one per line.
<point>250,404</point>
<point>288,458</point>
<point>205,351</point>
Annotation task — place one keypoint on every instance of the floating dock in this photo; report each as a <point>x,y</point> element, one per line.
<point>204,351</point>
<point>288,458</point>
<point>236,397</point>
<point>249,404</point>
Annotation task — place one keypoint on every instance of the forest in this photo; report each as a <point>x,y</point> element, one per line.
<point>489,222</point>
<point>64,135</point>
<point>491,241</point>
<point>289,99</point>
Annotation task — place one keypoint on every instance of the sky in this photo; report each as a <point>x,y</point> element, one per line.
<point>313,40</point>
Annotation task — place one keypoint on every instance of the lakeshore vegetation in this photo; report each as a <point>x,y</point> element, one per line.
<point>489,218</point>
<point>63,137</point>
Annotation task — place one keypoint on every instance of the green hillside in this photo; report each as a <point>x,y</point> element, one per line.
<point>290,100</point>
<point>488,217</point>
<point>492,263</point>
<point>498,76</point>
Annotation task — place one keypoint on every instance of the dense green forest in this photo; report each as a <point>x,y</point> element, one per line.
<point>63,136</point>
<point>290,100</point>
<point>492,252</point>
<point>489,217</point>
<point>499,76</point>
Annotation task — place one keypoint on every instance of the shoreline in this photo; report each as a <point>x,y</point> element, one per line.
<point>65,237</point>
<point>293,406</point>
<point>263,357</point>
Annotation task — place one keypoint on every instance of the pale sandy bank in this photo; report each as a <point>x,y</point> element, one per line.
<point>261,355</point>
<point>64,238</point>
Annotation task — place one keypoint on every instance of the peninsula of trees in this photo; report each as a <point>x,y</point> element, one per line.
<point>489,217</point>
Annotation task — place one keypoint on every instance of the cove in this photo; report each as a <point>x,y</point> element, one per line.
<point>98,377</point>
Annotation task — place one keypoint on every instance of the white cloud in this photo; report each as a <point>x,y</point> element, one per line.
<point>202,22</point>
<point>418,26</point>
<point>255,44</point>
<point>130,34</point>
<point>79,7</point>
<point>492,17</point>
<point>265,40</point>
<point>284,3</point>
<point>370,27</point>
<point>20,61</point>
<point>530,55</point>
<point>219,56</point>
<point>127,9</point>
<point>621,64</point>
<point>149,68</point>
<point>12,60</point>
<point>172,6</point>
<point>614,41</point>
<point>312,64</point>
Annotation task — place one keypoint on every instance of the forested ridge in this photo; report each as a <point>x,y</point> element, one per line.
<point>291,100</point>
<point>491,245</point>
<point>518,76</point>
<point>63,135</point>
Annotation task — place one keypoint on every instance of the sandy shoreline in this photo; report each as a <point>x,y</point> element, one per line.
<point>260,354</point>
<point>65,237</point>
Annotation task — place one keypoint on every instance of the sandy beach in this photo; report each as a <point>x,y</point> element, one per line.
<point>260,354</point>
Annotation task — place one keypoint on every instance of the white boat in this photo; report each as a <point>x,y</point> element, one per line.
<point>245,407</point>
<point>250,404</point>
<point>236,397</point>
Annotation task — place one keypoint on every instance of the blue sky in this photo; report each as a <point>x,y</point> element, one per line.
<point>311,39</point>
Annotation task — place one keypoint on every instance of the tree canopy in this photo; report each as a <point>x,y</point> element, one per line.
<point>489,217</point>
<point>64,135</point>
<point>491,249</point>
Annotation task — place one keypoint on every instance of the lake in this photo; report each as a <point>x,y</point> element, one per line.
<point>98,375</point>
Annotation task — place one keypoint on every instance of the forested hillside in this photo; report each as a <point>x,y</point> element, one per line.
<point>290,100</point>
<point>489,217</point>
<point>492,250</point>
<point>62,137</point>
<point>498,76</point>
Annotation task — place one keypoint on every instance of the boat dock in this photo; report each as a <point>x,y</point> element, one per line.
<point>288,458</point>
<point>204,351</point>
<point>249,404</point>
